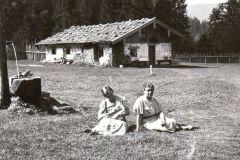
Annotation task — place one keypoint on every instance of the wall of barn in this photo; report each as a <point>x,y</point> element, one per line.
<point>137,45</point>
<point>141,51</point>
<point>163,51</point>
<point>106,59</point>
<point>150,35</point>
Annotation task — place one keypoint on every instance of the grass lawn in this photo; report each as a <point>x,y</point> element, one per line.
<point>206,97</point>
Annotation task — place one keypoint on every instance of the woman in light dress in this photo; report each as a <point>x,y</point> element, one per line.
<point>111,114</point>
<point>149,113</point>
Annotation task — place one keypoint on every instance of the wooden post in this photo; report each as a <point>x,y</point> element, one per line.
<point>5,92</point>
<point>151,71</point>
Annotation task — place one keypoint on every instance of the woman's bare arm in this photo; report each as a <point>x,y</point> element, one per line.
<point>102,113</point>
<point>138,122</point>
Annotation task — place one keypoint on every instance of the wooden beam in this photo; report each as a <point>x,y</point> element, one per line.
<point>154,25</point>
<point>169,28</point>
<point>5,91</point>
<point>169,33</point>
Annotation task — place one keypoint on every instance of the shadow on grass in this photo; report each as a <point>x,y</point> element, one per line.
<point>132,128</point>
<point>192,129</point>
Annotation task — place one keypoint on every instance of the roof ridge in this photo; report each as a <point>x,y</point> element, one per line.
<point>118,22</point>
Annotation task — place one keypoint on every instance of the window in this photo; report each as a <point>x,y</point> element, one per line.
<point>68,51</point>
<point>53,51</point>
<point>133,52</point>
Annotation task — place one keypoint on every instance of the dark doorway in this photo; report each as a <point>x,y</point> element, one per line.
<point>151,54</point>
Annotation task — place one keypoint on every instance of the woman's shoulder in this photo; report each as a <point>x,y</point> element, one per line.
<point>103,102</point>
<point>140,99</point>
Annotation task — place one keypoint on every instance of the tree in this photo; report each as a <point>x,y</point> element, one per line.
<point>163,11</point>
<point>197,29</point>
<point>224,27</point>
<point>180,18</point>
<point>143,9</point>
<point>204,43</point>
<point>127,10</point>
<point>106,10</point>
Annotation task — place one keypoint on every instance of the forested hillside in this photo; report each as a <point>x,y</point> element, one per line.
<point>28,21</point>
<point>221,33</point>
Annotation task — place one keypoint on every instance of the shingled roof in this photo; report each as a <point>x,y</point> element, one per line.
<point>109,33</point>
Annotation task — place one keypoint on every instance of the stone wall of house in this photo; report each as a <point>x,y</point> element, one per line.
<point>82,55</point>
<point>88,55</point>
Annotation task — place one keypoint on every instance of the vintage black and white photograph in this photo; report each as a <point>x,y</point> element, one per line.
<point>119,79</point>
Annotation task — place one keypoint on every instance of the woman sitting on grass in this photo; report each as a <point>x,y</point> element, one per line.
<point>111,115</point>
<point>149,114</point>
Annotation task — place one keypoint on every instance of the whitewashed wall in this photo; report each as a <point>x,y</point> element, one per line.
<point>142,51</point>
<point>106,59</point>
<point>50,56</point>
<point>83,55</point>
<point>76,52</point>
<point>73,52</point>
<point>163,50</point>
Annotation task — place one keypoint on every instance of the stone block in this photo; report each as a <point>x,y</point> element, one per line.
<point>28,89</point>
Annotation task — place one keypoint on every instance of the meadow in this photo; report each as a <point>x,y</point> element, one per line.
<point>207,97</point>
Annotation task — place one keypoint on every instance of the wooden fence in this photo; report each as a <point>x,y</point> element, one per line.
<point>210,57</point>
<point>35,55</point>
<point>20,55</point>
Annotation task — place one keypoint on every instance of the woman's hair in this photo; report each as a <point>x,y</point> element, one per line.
<point>148,85</point>
<point>105,90</point>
